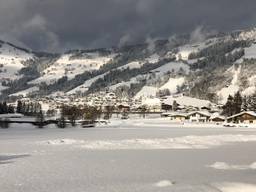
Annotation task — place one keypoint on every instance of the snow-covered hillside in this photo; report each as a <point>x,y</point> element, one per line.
<point>147,92</point>
<point>224,59</point>
<point>233,87</point>
<point>26,92</point>
<point>85,86</point>
<point>185,50</point>
<point>172,84</point>
<point>247,34</point>
<point>68,66</point>
<point>172,67</point>
<point>12,61</point>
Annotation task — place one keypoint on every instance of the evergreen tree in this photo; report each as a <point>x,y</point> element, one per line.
<point>244,106</point>
<point>40,119</point>
<point>19,107</point>
<point>237,104</point>
<point>1,108</point>
<point>174,105</point>
<point>143,110</point>
<point>62,122</point>
<point>228,108</point>
<point>108,112</point>
<point>252,102</point>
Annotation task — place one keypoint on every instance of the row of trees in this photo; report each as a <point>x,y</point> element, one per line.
<point>233,105</point>
<point>72,113</point>
<point>29,108</point>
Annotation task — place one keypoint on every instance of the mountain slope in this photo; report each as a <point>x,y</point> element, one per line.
<point>211,69</point>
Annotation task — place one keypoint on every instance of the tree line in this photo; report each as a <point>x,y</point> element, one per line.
<point>238,103</point>
<point>4,108</point>
<point>29,108</point>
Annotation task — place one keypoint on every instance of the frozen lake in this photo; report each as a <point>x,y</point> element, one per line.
<point>129,156</point>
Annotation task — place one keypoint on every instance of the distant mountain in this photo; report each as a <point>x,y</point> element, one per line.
<point>211,69</point>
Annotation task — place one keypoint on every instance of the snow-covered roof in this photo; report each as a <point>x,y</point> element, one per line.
<point>179,115</point>
<point>217,117</point>
<point>151,102</point>
<point>204,113</point>
<point>252,113</point>
<point>187,101</point>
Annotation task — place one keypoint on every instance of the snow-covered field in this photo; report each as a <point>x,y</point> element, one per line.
<point>130,156</point>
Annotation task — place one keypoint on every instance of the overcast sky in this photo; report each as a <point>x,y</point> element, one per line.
<point>57,25</point>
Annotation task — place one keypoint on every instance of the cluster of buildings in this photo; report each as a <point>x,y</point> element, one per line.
<point>194,110</point>
<point>178,108</point>
<point>245,117</point>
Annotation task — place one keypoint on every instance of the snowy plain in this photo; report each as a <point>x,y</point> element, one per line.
<point>133,155</point>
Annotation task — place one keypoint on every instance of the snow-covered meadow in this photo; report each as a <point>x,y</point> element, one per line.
<point>128,156</point>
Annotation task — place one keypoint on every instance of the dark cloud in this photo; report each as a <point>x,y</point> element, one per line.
<point>57,25</point>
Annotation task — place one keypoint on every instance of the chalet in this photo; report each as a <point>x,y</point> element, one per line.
<point>243,117</point>
<point>178,117</point>
<point>198,116</point>
<point>216,118</point>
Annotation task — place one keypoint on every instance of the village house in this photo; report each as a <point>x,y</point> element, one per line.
<point>247,117</point>
<point>178,117</point>
<point>216,118</point>
<point>198,117</point>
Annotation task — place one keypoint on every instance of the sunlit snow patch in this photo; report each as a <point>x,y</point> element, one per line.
<point>236,187</point>
<point>226,166</point>
<point>62,142</point>
<point>164,183</point>
<point>186,142</point>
